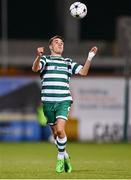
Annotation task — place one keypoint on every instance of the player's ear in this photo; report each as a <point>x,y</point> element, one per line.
<point>50,47</point>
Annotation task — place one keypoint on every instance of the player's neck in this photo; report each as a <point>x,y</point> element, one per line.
<point>55,54</point>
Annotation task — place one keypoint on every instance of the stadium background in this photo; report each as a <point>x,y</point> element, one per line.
<point>103,98</point>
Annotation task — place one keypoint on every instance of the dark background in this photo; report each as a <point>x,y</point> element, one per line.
<point>37,19</point>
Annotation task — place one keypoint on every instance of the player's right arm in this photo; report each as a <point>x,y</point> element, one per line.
<point>36,64</point>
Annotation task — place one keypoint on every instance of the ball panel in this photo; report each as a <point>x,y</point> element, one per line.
<point>73,12</point>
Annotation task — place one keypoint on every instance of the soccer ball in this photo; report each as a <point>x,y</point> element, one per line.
<point>78,10</point>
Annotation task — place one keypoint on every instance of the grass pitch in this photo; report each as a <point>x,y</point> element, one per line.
<point>89,161</point>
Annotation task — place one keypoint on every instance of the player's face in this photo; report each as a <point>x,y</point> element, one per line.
<point>57,46</point>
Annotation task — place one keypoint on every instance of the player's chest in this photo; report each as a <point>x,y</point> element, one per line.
<point>58,66</point>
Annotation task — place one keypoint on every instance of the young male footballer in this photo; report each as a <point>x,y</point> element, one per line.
<point>55,72</point>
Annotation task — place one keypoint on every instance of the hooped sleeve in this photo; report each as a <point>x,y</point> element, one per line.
<point>75,67</point>
<point>42,63</point>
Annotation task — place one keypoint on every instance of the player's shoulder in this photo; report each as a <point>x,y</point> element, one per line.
<point>45,57</point>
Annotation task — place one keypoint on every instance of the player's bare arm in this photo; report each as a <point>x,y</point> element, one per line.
<point>36,63</point>
<point>85,69</point>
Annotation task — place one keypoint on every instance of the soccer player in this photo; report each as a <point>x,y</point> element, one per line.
<point>55,72</point>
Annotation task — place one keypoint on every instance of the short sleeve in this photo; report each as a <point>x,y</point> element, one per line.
<point>42,63</point>
<point>75,67</point>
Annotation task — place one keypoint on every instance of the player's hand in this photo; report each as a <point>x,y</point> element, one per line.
<point>40,51</point>
<point>92,53</point>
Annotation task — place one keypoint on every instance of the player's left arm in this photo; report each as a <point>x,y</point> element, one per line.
<point>84,70</point>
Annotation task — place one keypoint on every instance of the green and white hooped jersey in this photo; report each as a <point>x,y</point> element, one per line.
<point>55,73</point>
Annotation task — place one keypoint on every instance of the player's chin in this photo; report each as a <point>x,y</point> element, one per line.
<point>60,51</point>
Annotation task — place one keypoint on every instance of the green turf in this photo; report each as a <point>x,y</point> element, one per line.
<point>90,161</point>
